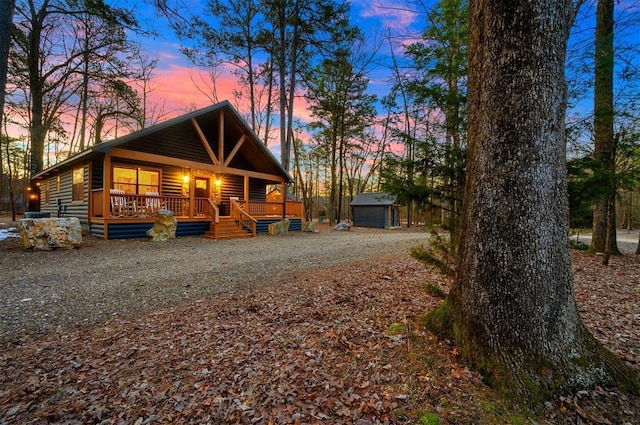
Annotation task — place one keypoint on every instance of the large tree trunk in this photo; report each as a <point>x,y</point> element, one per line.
<point>37,129</point>
<point>512,307</point>
<point>6,18</point>
<point>604,233</point>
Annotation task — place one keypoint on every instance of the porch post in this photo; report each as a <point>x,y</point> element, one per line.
<point>192,193</point>
<point>284,198</point>
<point>106,194</point>
<point>89,193</point>
<point>246,192</point>
<point>221,137</point>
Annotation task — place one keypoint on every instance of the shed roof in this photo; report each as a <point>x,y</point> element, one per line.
<point>373,199</point>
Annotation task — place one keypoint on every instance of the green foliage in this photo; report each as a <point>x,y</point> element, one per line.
<point>440,253</point>
<point>342,112</point>
<point>428,418</point>
<point>628,158</point>
<point>439,321</point>
<point>396,329</point>
<point>585,188</point>
<point>414,180</point>
<point>589,181</point>
<point>493,408</point>
<point>432,119</point>
<point>518,420</point>
<point>434,290</point>
<point>580,246</point>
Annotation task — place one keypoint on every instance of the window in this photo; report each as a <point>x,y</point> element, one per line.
<point>136,180</point>
<point>125,179</point>
<point>77,186</point>
<point>148,181</point>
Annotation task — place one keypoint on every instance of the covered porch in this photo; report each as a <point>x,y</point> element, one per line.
<point>130,214</point>
<point>127,206</point>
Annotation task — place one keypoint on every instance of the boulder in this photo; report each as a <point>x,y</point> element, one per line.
<point>311,227</point>
<point>164,228</point>
<point>51,233</point>
<point>279,227</point>
<point>342,226</point>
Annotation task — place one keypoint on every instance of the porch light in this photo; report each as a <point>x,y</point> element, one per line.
<point>218,183</point>
<point>185,179</point>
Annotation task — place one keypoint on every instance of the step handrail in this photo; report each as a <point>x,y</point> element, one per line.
<point>243,218</point>
<point>213,210</point>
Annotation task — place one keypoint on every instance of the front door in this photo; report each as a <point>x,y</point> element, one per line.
<point>202,187</point>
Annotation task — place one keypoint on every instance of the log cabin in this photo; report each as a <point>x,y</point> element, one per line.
<point>207,167</point>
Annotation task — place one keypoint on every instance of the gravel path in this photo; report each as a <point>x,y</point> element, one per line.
<point>43,291</point>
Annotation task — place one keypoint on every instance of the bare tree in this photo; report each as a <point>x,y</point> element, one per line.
<point>6,18</point>
<point>51,59</point>
<point>143,74</point>
<point>114,101</point>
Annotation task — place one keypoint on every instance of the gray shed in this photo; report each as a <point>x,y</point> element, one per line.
<point>375,209</point>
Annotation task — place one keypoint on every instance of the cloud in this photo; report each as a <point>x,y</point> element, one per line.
<point>392,14</point>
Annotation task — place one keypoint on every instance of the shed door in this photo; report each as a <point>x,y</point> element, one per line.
<point>395,213</point>
<point>369,216</point>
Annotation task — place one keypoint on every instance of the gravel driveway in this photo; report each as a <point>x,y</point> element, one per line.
<point>47,290</point>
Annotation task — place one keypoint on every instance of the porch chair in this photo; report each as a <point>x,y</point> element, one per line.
<point>119,205</point>
<point>152,202</point>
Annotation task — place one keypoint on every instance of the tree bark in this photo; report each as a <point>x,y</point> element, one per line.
<point>512,308</point>
<point>6,18</point>
<point>604,233</point>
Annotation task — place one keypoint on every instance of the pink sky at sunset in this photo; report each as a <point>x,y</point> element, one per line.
<point>175,87</point>
<point>174,74</point>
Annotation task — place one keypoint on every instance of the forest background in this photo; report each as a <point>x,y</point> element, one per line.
<point>352,97</point>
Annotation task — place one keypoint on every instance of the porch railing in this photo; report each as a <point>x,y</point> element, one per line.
<point>212,211</point>
<point>268,209</point>
<point>244,219</point>
<point>143,206</point>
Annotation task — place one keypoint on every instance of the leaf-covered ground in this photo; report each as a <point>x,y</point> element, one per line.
<point>344,345</point>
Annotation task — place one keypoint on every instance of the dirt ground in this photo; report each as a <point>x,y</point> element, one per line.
<point>341,342</point>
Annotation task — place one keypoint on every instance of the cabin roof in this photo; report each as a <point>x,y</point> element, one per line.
<point>373,199</point>
<point>234,128</point>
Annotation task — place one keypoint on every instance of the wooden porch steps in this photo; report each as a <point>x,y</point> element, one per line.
<point>227,229</point>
